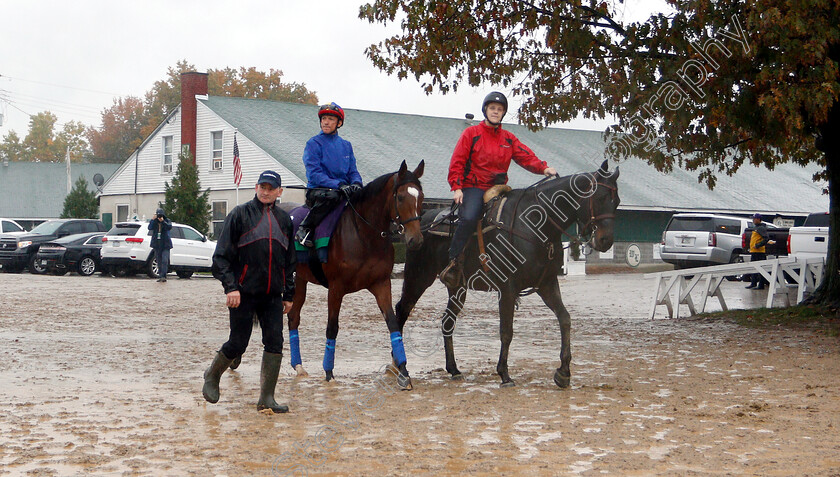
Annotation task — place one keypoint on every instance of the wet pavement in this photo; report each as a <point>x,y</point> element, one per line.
<point>102,376</point>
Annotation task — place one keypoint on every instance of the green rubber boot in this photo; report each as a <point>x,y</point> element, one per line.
<point>213,375</point>
<point>268,380</point>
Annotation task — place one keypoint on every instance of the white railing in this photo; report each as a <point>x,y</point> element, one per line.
<point>806,275</point>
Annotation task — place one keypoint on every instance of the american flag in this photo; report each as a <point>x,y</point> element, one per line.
<point>237,166</point>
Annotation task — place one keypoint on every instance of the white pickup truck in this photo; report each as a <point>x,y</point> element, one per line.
<point>811,239</point>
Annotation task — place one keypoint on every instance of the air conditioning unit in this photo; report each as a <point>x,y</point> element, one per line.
<point>167,168</point>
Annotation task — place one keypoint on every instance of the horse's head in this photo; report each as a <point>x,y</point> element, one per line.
<point>408,204</point>
<point>596,219</point>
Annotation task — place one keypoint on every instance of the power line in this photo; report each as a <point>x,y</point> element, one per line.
<point>60,85</point>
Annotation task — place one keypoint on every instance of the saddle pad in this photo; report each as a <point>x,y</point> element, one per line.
<point>323,231</point>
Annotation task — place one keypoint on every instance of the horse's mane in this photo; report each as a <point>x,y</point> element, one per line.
<point>374,187</point>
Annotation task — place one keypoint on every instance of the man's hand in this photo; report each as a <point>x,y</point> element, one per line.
<point>550,171</point>
<point>233,299</point>
<point>287,306</point>
<point>458,196</point>
<point>350,189</point>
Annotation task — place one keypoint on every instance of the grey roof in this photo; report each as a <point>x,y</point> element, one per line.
<point>382,140</point>
<point>36,190</point>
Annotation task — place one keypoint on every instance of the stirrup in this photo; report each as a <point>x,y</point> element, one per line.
<point>452,275</point>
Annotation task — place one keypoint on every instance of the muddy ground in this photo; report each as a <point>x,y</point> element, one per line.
<point>102,376</point>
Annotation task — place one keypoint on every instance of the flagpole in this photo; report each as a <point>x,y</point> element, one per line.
<point>235,130</point>
<point>69,186</point>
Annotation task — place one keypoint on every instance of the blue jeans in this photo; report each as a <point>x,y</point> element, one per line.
<point>469,215</point>
<point>162,256</point>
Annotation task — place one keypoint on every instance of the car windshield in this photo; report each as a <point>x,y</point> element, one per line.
<point>124,229</point>
<point>47,228</point>
<point>691,224</point>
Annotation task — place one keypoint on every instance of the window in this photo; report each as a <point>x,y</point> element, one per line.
<point>167,155</point>
<point>95,240</point>
<point>218,217</point>
<point>177,232</point>
<point>122,212</point>
<point>190,234</point>
<point>11,227</point>
<point>217,151</point>
<point>726,226</point>
<point>89,227</point>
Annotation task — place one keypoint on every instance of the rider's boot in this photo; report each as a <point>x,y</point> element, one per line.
<point>268,380</point>
<point>304,236</point>
<point>213,375</point>
<point>453,275</point>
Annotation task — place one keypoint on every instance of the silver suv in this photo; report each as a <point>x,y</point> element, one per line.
<point>699,240</point>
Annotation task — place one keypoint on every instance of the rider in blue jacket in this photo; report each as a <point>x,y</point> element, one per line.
<point>330,165</point>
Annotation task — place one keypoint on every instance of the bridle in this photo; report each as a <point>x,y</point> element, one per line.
<point>396,226</point>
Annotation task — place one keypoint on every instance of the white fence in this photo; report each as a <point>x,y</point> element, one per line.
<point>805,275</point>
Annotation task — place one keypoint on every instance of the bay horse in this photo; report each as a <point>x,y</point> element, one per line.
<point>524,251</point>
<point>360,256</point>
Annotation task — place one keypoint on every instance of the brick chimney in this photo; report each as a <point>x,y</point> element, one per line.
<point>192,84</point>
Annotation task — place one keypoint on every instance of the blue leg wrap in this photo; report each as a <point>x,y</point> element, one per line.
<point>294,346</point>
<point>329,355</point>
<point>397,348</point>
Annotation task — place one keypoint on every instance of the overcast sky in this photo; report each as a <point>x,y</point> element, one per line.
<point>74,58</point>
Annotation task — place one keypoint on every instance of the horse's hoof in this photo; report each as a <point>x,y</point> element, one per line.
<point>404,383</point>
<point>329,376</point>
<point>301,373</point>
<point>236,362</point>
<point>457,377</point>
<point>560,380</point>
<point>507,384</point>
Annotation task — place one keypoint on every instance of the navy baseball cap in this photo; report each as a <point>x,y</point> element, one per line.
<point>756,215</point>
<point>269,177</point>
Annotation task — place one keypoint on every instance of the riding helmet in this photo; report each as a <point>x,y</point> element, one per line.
<point>494,97</point>
<point>332,109</point>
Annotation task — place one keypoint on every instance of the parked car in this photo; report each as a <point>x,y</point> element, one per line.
<point>811,239</point>
<point>699,240</point>
<point>18,251</point>
<point>78,253</point>
<point>127,249</point>
<point>10,226</point>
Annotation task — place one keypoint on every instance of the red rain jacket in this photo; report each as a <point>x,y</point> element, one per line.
<point>483,152</point>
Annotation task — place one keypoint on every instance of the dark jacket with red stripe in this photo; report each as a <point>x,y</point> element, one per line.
<point>483,152</point>
<point>255,253</point>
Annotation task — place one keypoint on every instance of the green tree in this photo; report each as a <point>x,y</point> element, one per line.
<point>39,143</point>
<point>11,148</point>
<point>185,202</point>
<point>706,86</point>
<point>73,135</point>
<point>119,135</point>
<point>81,202</point>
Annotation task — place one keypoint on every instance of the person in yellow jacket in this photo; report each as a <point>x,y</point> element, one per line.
<point>758,252</point>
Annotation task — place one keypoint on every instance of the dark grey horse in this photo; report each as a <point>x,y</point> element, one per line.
<point>523,252</point>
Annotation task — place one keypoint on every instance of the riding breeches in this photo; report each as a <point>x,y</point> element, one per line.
<point>468,216</point>
<point>269,310</point>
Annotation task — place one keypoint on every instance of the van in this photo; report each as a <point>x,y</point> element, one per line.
<point>699,240</point>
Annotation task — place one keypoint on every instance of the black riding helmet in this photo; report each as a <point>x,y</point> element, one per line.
<point>494,97</point>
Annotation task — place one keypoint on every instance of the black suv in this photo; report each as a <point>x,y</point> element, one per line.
<point>18,251</point>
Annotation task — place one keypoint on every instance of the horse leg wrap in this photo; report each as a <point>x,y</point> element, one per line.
<point>294,346</point>
<point>329,355</point>
<point>397,348</point>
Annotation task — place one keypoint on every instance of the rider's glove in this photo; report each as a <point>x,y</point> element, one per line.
<point>350,189</point>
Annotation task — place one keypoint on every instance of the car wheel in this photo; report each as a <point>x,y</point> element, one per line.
<point>86,266</point>
<point>735,278</point>
<point>152,267</point>
<point>35,267</point>
<point>183,273</point>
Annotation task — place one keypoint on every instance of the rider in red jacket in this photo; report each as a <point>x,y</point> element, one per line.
<point>481,159</point>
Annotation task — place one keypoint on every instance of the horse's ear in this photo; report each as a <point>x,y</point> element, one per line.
<point>418,172</point>
<point>604,168</point>
<point>615,173</point>
<point>403,169</point>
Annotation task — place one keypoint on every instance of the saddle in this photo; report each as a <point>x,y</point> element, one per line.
<point>323,232</point>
